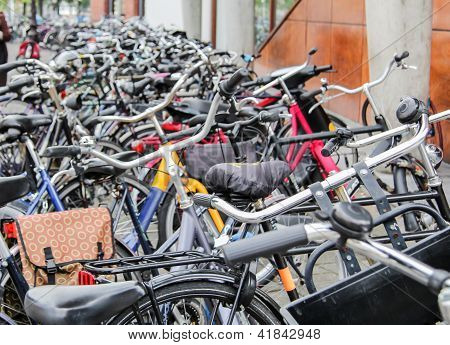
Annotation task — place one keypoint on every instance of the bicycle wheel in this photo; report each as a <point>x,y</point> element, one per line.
<point>200,303</point>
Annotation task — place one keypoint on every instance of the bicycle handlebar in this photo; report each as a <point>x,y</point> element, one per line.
<point>152,110</point>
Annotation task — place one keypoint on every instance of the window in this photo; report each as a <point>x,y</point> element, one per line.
<point>268,14</point>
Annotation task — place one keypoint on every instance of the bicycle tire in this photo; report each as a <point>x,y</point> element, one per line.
<point>189,291</point>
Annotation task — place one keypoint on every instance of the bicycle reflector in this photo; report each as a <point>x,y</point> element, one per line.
<point>85,278</point>
<point>9,229</point>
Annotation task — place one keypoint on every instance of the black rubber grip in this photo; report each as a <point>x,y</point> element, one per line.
<point>330,147</point>
<point>20,83</point>
<point>203,199</point>
<point>74,102</point>
<point>267,116</point>
<point>108,111</point>
<point>320,69</point>
<point>229,87</point>
<point>62,151</point>
<point>307,95</point>
<point>12,65</point>
<point>266,244</point>
<point>399,58</point>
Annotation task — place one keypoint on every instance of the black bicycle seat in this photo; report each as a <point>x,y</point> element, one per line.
<point>99,167</point>
<point>77,305</point>
<point>13,188</point>
<point>253,180</point>
<point>24,124</point>
<point>134,89</point>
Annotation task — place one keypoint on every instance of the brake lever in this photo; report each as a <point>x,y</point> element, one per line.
<point>324,99</point>
<point>245,101</point>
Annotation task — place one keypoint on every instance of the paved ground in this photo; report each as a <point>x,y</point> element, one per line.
<point>13,50</point>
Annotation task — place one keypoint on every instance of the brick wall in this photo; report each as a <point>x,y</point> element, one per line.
<point>98,9</point>
<point>130,8</point>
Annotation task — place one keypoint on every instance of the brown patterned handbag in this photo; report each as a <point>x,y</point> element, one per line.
<point>54,246</point>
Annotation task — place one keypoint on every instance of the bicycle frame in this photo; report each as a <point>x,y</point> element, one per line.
<point>159,187</point>
<point>46,183</point>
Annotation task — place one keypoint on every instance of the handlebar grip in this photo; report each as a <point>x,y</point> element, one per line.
<point>331,146</point>
<point>74,102</point>
<point>203,199</point>
<point>6,67</point>
<point>267,116</point>
<point>324,68</point>
<point>307,95</point>
<point>108,111</point>
<point>266,244</point>
<point>62,151</point>
<point>20,83</point>
<point>399,58</point>
<point>229,87</point>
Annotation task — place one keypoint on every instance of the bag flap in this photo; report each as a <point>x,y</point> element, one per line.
<point>73,236</point>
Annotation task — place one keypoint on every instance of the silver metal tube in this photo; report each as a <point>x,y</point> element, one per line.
<point>277,81</point>
<point>439,116</point>
<point>150,111</point>
<point>157,154</point>
<point>380,136</point>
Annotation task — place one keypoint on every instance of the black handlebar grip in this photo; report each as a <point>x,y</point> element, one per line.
<point>331,146</point>
<point>229,87</point>
<point>266,244</point>
<point>20,83</point>
<point>399,58</point>
<point>203,199</point>
<point>74,102</point>
<point>324,68</point>
<point>62,151</point>
<point>313,51</point>
<point>307,95</point>
<point>267,116</point>
<point>6,67</point>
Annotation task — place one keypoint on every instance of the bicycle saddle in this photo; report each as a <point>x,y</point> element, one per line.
<point>253,180</point>
<point>192,107</point>
<point>99,167</point>
<point>13,188</point>
<point>134,89</point>
<point>80,305</point>
<point>24,124</point>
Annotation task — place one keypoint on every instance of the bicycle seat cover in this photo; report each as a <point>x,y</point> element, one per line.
<point>253,180</point>
<point>81,304</point>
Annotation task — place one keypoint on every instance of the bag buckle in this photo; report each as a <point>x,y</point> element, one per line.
<point>51,266</point>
